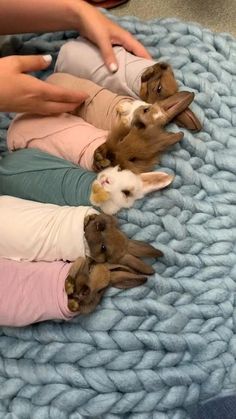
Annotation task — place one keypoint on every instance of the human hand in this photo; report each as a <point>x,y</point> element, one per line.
<point>21,92</point>
<point>96,27</point>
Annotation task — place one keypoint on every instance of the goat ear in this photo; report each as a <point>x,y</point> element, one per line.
<point>148,73</point>
<point>189,120</point>
<point>125,280</point>
<point>143,93</point>
<point>167,139</point>
<point>137,264</point>
<point>142,249</point>
<point>156,70</point>
<point>176,103</point>
<point>154,181</point>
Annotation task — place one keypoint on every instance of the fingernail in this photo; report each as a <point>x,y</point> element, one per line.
<point>47,58</point>
<point>113,67</point>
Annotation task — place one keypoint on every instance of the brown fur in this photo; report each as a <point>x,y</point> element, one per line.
<point>139,147</point>
<point>157,83</point>
<point>87,281</point>
<point>108,244</point>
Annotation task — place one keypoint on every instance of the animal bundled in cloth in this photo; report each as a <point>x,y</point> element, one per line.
<point>39,291</point>
<point>62,259</point>
<point>134,136</point>
<point>38,176</point>
<point>32,231</point>
<point>136,77</point>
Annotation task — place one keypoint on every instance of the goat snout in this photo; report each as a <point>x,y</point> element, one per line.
<point>127,109</point>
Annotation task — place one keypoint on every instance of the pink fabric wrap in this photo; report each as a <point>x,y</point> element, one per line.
<point>100,107</point>
<point>32,292</point>
<point>64,135</point>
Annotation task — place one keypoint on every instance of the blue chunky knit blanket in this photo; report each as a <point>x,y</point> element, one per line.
<point>154,351</point>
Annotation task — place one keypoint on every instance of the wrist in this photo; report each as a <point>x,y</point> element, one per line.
<point>77,9</point>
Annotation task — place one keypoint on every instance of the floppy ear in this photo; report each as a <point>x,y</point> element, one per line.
<point>176,103</point>
<point>167,139</point>
<point>155,70</point>
<point>142,249</point>
<point>148,73</point>
<point>136,264</point>
<point>125,280</point>
<point>153,181</point>
<point>189,120</point>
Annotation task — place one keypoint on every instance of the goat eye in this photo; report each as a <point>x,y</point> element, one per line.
<point>159,88</point>
<point>145,110</point>
<point>133,159</point>
<point>126,192</point>
<point>103,248</point>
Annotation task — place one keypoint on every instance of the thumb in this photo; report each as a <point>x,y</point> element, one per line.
<point>108,54</point>
<point>28,63</point>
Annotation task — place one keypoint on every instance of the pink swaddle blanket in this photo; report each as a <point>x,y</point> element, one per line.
<point>32,292</point>
<point>66,136</point>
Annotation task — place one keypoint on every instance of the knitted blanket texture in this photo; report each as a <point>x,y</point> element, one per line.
<point>154,351</point>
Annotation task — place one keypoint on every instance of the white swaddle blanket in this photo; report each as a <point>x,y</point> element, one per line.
<point>32,231</point>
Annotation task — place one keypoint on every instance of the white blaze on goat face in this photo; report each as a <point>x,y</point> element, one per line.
<point>123,186</point>
<point>126,110</point>
<point>157,115</point>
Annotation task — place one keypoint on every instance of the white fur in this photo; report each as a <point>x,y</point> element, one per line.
<point>158,115</point>
<point>115,181</point>
<point>126,110</point>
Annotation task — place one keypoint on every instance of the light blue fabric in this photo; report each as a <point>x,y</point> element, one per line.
<point>151,352</point>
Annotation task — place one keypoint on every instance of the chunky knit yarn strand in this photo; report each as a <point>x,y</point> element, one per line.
<point>155,351</point>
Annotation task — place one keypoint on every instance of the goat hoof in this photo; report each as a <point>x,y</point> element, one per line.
<point>73,305</point>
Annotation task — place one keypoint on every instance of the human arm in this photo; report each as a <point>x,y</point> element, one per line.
<point>54,15</point>
<point>21,92</point>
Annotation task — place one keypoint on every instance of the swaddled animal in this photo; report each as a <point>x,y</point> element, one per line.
<point>136,77</point>
<point>38,176</point>
<point>31,231</point>
<point>39,291</point>
<point>70,137</point>
<point>87,281</point>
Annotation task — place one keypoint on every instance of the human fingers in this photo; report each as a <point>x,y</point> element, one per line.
<point>105,45</point>
<point>131,44</point>
<point>28,63</point>
<point>51,108</point>
<point>55,93</point>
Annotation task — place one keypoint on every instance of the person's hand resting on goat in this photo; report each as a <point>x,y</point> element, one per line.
<point>21,92</point>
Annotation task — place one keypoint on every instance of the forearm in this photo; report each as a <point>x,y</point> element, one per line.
<point>44,16</point>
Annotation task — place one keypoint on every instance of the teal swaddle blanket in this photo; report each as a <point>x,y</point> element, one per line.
<point>32,174</point>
